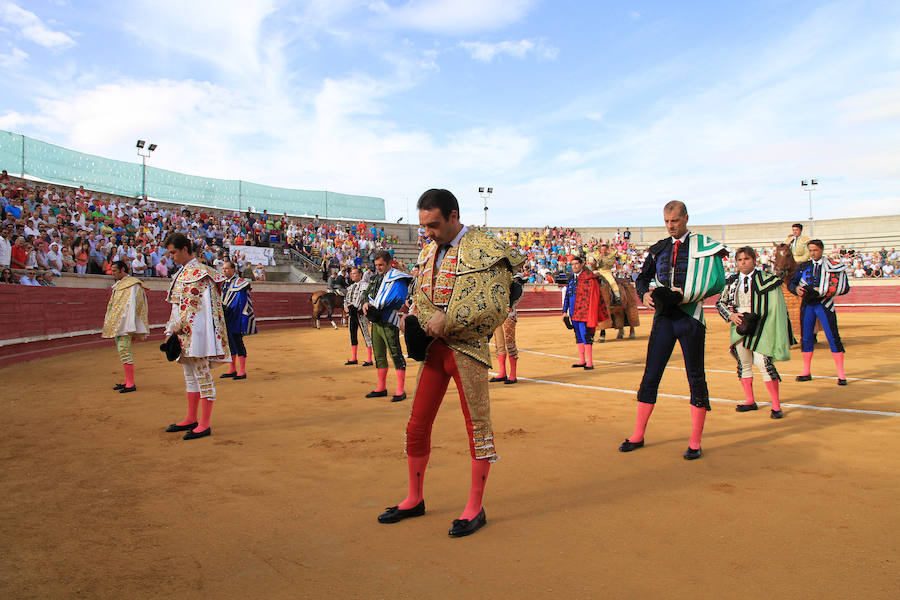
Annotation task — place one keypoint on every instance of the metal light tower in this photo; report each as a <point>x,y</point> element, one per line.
<point>809,187</point>
<point>485,194</point>
<point>144,154</point>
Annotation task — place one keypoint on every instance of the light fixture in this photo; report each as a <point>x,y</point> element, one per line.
<point>481,190</point>
<point>152,147</point>
<point>140,143</point>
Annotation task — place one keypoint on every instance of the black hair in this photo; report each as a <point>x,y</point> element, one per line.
<point>180,241</point>
<point>383,255</point>
<point>818,243</point>
<point>442,199</point>
<point>798,226</point>
<point>745,250</point>
<point>122,265</point>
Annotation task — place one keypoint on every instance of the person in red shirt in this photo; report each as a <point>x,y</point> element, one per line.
<point>18,254</point>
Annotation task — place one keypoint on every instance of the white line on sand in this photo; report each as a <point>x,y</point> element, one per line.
<point>610,362</point>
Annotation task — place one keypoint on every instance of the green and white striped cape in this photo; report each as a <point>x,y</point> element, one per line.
<point>705,274</point>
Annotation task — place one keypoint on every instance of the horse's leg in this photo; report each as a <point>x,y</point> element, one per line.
<point>621,333</point>
<point>602,336</point>
<point>632,335</point>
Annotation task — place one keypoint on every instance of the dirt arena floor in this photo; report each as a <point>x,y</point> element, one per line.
<point>99,502</point>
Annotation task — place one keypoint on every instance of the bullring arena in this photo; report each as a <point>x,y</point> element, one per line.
<point>100,502</point>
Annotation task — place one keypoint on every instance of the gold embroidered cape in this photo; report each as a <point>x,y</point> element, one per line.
<point>479,302</point>
<point>126,312</point>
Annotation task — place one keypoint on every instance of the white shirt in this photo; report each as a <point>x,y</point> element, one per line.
<point>442,250</point>
<point>5,252</point>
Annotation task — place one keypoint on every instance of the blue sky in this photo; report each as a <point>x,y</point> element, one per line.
<point>577,113</point>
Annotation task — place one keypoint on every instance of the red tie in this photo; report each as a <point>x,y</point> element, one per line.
<point>675,252</point>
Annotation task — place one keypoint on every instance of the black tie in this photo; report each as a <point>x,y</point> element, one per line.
<point>816,273</point>
<point>746,284</point>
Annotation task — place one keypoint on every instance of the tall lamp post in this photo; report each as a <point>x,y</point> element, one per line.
<point>144,154</point>
<point>809,187</point>
<point>485,194</point>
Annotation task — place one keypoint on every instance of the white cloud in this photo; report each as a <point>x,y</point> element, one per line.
<point>453,16</point>
<point>30,26</point>
<point>16,59</point>
<point>487,51</point>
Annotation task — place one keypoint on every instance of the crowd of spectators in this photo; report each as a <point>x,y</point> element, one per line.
<point>335,247</point>
<point>549,251</point>
<point>47,230</point>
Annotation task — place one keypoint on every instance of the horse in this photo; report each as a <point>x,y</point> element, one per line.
<point>785,267</point>
<point>625,313</point>
<point>325,301</point>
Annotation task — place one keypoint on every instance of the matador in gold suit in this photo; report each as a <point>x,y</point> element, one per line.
<point>462,295</point>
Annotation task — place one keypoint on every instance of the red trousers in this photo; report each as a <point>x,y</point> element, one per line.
<point>441,364</point>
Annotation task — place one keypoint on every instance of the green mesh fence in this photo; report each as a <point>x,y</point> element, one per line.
<point>27,156</point>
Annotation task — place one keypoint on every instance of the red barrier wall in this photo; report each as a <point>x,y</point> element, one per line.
<point>68,316</point>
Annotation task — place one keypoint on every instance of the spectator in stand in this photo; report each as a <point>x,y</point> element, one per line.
<point>46,279</point>
<point>19,254</point>
<point>5,246</point>
<point>29,278</point>
<point>6,276</point>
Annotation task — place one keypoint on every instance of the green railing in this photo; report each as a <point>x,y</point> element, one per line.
<point>29,157</point>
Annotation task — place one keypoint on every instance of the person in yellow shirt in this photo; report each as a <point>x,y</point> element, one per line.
<point>797,241</point>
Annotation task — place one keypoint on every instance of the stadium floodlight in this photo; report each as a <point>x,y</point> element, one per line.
<point>485,194</point>
<point>144,153</point>
<point>809,187</point>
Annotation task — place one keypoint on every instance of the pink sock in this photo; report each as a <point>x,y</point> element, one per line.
<point>242,365</point>
<point>416,465</point>
<point>204,417</point>
<point>772,386</point>
<point>512,367</point>
<point>382,379</point>
<point>747,384</point>
<point>401,381</point>
<point>231,369</point>
<point>589,353</point>
<point>640,427</point>
<point>193,401</point>
<point>480,469</point>
<point>698,417</point>
<point>369,348</point>
<point>353,350</point>
<point>580,354</point>
<point>501,361</point>
<point>807,363</point>
<point>129,374</point>
<point>839,363</point>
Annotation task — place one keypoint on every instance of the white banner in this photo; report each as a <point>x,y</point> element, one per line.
<point>255,255</point>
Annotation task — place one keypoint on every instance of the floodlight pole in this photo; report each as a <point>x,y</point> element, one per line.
<point>485,194</point>
<point>809,187</point>
<point>144,154</point>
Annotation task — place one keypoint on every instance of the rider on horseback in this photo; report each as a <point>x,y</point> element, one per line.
<point>604,269</point>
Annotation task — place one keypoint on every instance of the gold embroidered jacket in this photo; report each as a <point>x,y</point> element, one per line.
<point>479,302</point>
<point>126,312</point>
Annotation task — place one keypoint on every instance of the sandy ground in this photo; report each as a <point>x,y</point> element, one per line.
<point>99,502</point>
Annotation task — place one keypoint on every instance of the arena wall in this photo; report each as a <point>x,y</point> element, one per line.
<point>43,321</point>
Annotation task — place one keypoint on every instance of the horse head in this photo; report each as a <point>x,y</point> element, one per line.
<point>785,264</point>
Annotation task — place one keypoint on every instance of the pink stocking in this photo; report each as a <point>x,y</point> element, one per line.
<point>369,349</point>
<point>501,369</point>
<point>807,363</point>
<point>698,417</point>
<point>839,363</point>
<point>747,384</point>
<point>382,379</point>
<point>480,469</point>
<point>242,365</point>
<point>772,386</point>
<point>231,369</point>
<point>580,354</point>
<point>193,401</point>
<point>129,374</point>
<point>203,425</point>
<point>512,367</point>
<point>353,350</point>
<point>416,465</point>
<point>401,381</point>
<point>640,427</point>
<point>589,352</point>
